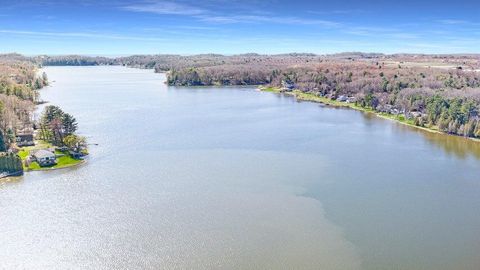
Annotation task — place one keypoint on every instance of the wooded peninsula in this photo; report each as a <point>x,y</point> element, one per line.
<point>27,143</point>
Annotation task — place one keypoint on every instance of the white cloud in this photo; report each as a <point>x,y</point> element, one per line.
<point>267,19</point>
<point>78,35</point>
<point>338,12</point>
<point>205,15</point>
<point>455,22</point>
<point>393,33</point>
<point>165,8</point>
<point>452,22</point>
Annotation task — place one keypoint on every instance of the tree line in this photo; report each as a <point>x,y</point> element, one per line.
<point>19,83</point>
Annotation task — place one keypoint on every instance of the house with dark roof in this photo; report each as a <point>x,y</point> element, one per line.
<point>25,138</point>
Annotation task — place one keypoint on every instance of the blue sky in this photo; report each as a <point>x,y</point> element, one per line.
<point>123,27</point>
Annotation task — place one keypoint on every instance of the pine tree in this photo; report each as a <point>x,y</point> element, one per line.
<point>3,147</point>
<point>69,124</point>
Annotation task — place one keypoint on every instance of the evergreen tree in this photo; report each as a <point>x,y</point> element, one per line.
<point>50,113</point>
<point>3,147</point>
<point>69,124</point>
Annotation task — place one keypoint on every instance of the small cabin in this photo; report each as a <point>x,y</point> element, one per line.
<point>45,158</point>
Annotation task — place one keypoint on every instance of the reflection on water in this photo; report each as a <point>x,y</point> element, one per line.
<point>460,147</point>
<point>230,178</point>
<point>453,145</point>
<point>10,181</point>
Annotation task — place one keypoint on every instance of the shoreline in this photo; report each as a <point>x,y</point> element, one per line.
<point>43,169</point>
<point>11,178</point>
<point>333,103</point>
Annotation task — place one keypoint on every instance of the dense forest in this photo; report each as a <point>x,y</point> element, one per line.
<point>72,60</point>
<point>19,82</point>
<point>435,91</point>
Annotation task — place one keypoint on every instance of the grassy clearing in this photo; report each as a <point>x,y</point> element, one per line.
<point>24,151</point>
<point>269,89</point>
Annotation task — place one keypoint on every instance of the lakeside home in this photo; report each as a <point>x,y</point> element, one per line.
<point>45,158</point>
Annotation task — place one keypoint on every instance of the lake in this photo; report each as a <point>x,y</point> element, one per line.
<point>233,178</point>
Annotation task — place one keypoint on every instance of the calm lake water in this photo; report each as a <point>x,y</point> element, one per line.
<point>231,178</point>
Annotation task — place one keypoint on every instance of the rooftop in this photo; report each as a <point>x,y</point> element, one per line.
<point>43,154</point>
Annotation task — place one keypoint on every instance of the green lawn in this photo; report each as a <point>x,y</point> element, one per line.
<point>67,161</point>
<point>24,151</point>
<point>270,89</point>
<point>62,162</point>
